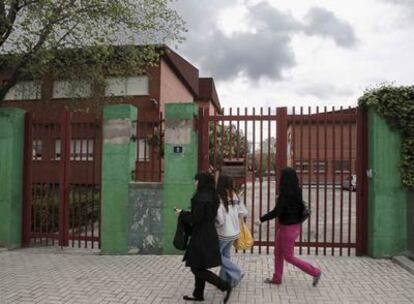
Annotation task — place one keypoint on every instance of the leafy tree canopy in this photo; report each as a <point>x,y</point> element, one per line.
<point>78,38</point>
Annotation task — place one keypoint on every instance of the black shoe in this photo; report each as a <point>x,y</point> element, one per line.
<point>228,293</point>
<point>189,298</point>
<point>316,280</point>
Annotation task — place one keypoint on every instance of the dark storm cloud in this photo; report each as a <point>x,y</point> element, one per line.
<point>263,52</point>
<point>321,22</point>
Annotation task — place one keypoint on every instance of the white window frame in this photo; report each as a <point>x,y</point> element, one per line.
<point>24,90</point>
<point>37,149</point>
<point>338,171</point>
<point>299,168</point>
<point>127,86</point>
<point>320,164</point>
<point>71,89</point>
<point>81,149</point>
<point>143,150</point>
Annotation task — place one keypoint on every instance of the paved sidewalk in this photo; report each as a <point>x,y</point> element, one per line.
<point>50,276</point>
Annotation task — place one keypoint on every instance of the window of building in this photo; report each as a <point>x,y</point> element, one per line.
<point>24,90</point>
<point>143,150</point>
<point>80,149</point>
<point>37,149</point>
<point>302,167</point>
<point>71,89</point>
<point>342,166</point>
<point>319,166</point>
<point>127,86</point>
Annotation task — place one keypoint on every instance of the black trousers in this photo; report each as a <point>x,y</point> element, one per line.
<point>202,276</point>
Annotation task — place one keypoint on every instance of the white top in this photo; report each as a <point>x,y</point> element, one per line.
<point>228,223</point>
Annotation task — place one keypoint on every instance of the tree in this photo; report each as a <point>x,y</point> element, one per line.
<point>77,38</point>
<point>228,140</point>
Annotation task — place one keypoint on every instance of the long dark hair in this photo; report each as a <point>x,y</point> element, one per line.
<point>225,185</point>
<point>206,185</point>
<point>289,186</point>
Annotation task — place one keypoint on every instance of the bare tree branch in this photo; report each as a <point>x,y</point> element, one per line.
<point>7,21</point>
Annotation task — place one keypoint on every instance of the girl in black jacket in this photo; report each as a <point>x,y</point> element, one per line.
<point>289,209</point>
<point>203,248</point>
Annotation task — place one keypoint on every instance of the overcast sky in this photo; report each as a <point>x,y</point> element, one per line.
<point>299,52</point>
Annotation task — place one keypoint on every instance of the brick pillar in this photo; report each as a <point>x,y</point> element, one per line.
<point>118,165</point>
<point>11,176</point>
<point>387,199</point>
<point>180,163</point>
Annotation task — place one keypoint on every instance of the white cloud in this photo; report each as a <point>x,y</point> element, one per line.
<point>297,52</point>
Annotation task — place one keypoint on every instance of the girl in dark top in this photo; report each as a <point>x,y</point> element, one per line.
<point>289,208</point>
<point>203,248</point>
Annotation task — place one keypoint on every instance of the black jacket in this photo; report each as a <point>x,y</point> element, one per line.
<point>203,249</point>
<point>289,211</point>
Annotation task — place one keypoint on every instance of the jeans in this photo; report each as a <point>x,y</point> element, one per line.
<point>284,247</point>
<point>229,271</point>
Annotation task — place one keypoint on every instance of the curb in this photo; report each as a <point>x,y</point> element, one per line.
<point>405,263</point>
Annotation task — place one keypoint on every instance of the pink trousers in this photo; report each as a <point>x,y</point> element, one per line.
<point>284,250</point>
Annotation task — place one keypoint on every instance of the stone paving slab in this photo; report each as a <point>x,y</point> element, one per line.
<point>55,277</point>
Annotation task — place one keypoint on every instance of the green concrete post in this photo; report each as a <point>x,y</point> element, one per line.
<point>180,166</point>
<point>11,176</point>
<point>118,163</point>
<point>387,199</point>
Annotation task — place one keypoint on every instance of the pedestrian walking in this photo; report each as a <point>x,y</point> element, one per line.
<point>203,248</point>
<point>289,211</point>
<point>228,228</point>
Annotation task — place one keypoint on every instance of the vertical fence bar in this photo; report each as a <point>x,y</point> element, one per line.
<point>301,172</point>
<point>231,133</point>
<point>317,180</point>
<point>27,185</point>
<point>269,128</point>
<point>260,177</point>
<point>204,139</point>
<point>238,134</point>
<point>362,183</point>
<point>246,161</point>
<point>65,187</point>
<point>309,126</point>
<point>350,148</point>
<point>223,131</point>
<point>161,145</point>
<point>153,156</point>
<point>145,162</point>
<point>333,122</point>
<point>325,200</point>
<point>215,141</point>
<point>253,174</point>
<point>36,183</point>
<point>341,155</point>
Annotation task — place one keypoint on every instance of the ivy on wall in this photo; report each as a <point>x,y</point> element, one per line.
<point>396,106</point>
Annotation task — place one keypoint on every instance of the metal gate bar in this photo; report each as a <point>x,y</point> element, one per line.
<point>319,145</point>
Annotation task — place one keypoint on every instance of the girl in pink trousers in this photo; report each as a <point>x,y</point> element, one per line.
<point>289,210</point>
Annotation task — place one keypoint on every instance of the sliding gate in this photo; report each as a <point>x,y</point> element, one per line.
<point>62,179</point>
<point>254,145</point>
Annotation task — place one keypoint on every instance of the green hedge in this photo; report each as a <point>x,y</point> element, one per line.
<point>396,106</point>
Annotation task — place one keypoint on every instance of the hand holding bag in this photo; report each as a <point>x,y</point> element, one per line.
<point>245,240</point>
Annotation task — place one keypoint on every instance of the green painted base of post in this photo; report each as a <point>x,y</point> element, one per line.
<point>118,164</point>
<point>11,176</point>
<point>180,166</point>
<point>387,199</point>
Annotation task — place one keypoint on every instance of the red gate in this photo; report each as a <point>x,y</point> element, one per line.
<point>321,146</point>
<point>62,179</point>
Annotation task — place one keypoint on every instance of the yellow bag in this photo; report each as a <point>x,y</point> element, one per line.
<point>245,240</point>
